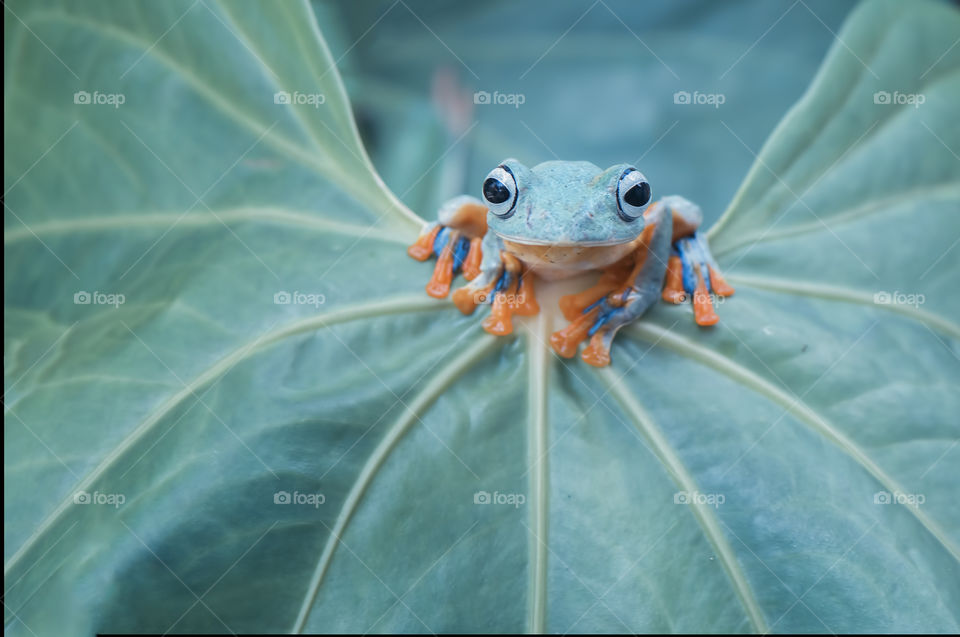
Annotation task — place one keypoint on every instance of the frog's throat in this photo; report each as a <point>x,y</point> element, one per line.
<point>555,261</point>
<point>527,241</point>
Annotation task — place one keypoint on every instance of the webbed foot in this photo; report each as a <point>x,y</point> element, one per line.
<point>599,322</point>
<point>456,240</point>
<point>455,253</point>
<point>693,273</point>
<point>512,294</point>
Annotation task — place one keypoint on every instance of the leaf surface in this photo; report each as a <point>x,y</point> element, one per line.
<point>381,413</point>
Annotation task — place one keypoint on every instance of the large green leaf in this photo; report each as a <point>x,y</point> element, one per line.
<point>199,400</point>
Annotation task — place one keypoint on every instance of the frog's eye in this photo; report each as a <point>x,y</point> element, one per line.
<point>633,193</point>
<point>500,191</point>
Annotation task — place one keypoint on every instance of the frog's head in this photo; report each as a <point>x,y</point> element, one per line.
<point>566,203</point>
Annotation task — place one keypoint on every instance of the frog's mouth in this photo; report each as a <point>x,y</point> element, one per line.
<point>527,241</point>
<point>553,259</point>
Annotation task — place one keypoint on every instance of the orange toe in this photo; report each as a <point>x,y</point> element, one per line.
<point>423,247</point>
<point>703,312</point>
<point>439,285</point>
<point>466,299</point>
<point>471,264</point>
<point>499,323</point>
<point>565,341</point>
<point>526,300</point>
<point>673,291</point>
<point>721,287</point>
<point>563,344</point>
<point>570,306</point>
<point>596,353</point>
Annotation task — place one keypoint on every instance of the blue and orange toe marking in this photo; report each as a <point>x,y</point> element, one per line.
<point>686,275</point>
<point>455,253</point>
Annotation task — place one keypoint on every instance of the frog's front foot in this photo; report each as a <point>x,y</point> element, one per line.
<point>510,291</point>
<point>455,252</point>
<point>599,322</point>
<point>461,243</point>
<point>692,272</point>
<point>455,240</point>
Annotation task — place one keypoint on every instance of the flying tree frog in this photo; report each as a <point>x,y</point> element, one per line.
<point>562,218</point>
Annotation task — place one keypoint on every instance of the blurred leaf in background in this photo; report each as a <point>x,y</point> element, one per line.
<point>597,80</point>
<point>229,405</point>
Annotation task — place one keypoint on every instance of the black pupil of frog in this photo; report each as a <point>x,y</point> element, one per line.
<point>494,191</point>
<point>638,195</point>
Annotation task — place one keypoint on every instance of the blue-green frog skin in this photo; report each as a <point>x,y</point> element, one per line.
<point>562,218</point>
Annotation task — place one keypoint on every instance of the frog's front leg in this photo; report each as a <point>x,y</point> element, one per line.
<point>625,291</point>
<point>670,253</point>
<point>692,270</point>
<point>460,240</point>
<point>504,283</point>
<point>455,238</point>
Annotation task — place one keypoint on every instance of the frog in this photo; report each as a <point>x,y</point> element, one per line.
<point>560,219</point>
